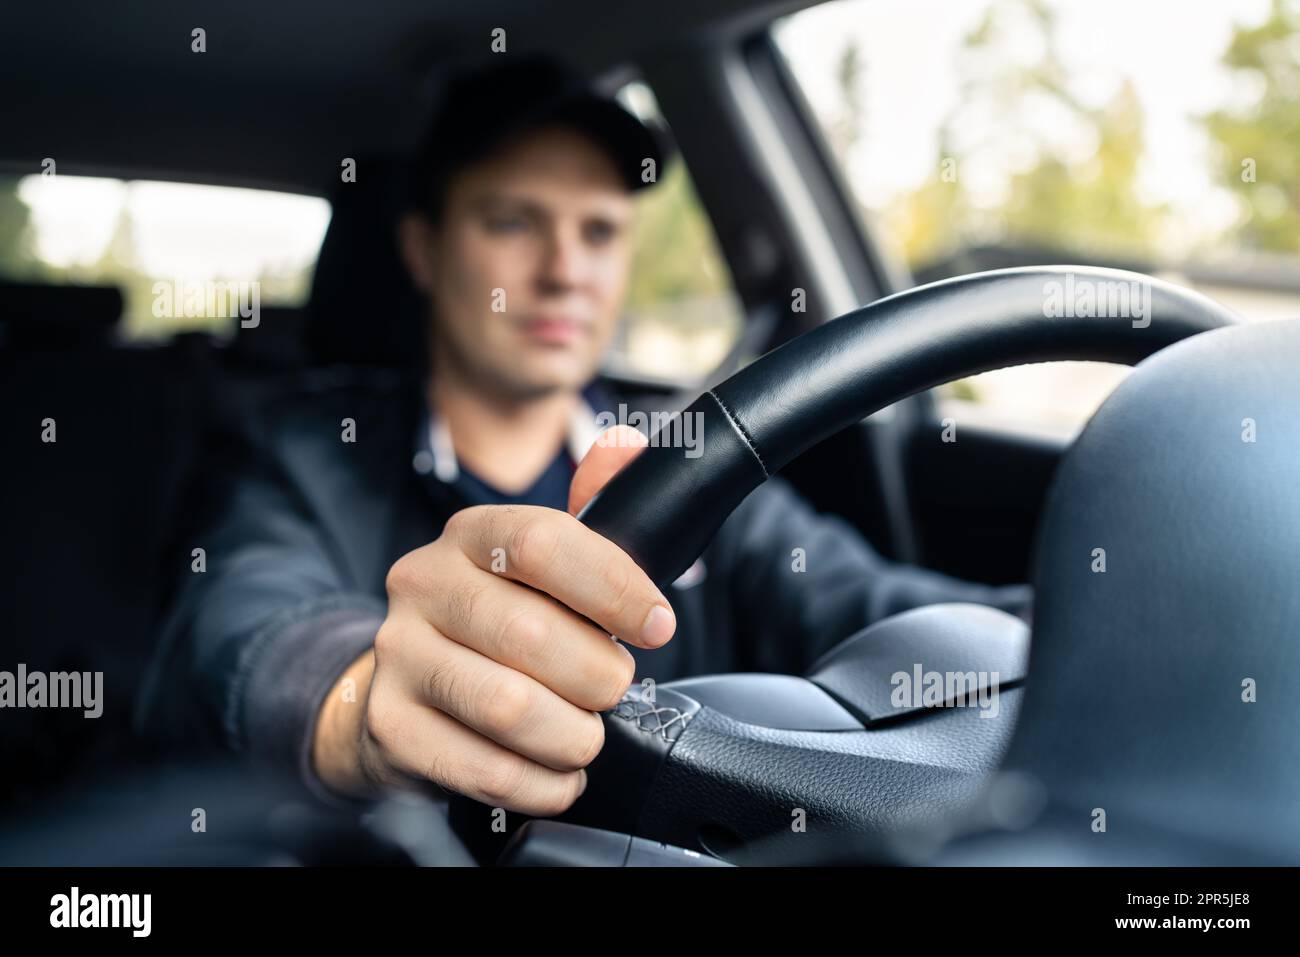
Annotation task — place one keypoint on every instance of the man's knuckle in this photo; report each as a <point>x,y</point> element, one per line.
<point>462,601</point>
<point>502,781</point>
<point>387,639</point>
<point>439,769</point>
<point>460,522</point>
<point>441,687</point>
<point>403,576</point>
<point>525,631</point>
<point>505,703</point>
<point>476,530</point>
<point>534,546</point>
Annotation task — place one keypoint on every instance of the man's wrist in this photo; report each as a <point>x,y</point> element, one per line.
<point>340,723</point>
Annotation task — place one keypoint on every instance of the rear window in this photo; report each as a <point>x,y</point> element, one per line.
<point>184,256</point>
<point>189,257</point>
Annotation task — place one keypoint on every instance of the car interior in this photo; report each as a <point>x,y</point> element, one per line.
<point>1127,697</point>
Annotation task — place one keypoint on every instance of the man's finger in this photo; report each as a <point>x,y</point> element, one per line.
<point>508,706</point>
<point>554,553</point>
<point>614,449</point>
<point>437,747</point>
<point>533,633</point>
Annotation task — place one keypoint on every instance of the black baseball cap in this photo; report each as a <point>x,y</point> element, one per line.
<point>479,111</point>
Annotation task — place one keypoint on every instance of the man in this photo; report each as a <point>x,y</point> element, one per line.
<point>418,604</point>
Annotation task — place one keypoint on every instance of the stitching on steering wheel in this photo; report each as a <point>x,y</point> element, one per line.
<point>743,434</point>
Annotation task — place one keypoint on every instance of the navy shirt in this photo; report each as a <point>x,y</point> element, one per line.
<point>551,488</point>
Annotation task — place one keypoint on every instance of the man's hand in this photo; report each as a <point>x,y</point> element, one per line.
<point>488,672</point>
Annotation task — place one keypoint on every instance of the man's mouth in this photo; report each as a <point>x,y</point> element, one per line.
<point>554,330</point>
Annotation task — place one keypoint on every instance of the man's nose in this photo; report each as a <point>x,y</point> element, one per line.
<point>563,261</point>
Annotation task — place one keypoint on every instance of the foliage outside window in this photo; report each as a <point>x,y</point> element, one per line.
<point>1158,136</point>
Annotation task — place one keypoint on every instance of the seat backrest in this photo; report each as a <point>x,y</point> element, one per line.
<point>98,446</point>
<point>43,316</point>
<point>364,309</point>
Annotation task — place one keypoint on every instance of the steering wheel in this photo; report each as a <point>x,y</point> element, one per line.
<point>719,763</point>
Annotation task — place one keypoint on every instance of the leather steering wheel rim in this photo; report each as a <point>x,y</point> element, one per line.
<point>664,507</point>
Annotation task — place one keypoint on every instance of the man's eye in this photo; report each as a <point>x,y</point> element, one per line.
<point>599,232</point>
<point>506,224</point>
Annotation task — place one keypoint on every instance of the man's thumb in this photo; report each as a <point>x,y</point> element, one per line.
<point>615,448</point>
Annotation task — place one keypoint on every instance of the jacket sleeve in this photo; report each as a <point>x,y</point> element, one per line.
<point>257,637</point>
<point>800,582</point>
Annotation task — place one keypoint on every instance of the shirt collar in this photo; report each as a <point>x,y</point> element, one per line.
<point>435,454</point>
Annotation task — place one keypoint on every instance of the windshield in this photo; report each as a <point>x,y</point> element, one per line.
<point>980,134</point>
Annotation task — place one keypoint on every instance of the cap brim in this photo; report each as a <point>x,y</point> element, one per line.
<point>630,142</point>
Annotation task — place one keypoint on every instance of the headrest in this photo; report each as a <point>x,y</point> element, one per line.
<point>363,308</point>
<point>38,315</point>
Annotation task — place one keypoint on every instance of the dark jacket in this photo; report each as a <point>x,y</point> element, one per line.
<point>304,527</point>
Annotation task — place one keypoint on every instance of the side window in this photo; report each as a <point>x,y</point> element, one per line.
<point>682,314</point>
<point>994,133</point>
<point>186,257</point>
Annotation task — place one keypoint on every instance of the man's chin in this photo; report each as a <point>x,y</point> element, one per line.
<point>538,379</point>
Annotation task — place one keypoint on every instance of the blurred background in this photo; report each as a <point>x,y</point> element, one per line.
<point>1158,136</point>
<point>1153,136</point>
<point>973,134</point>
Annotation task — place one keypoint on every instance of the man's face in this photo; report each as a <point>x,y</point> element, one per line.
<point>527,268</point>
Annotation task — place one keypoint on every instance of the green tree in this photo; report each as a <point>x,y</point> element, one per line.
<point>1065,197</point>
<point>675,255</point>
<point>1089,202</point>
<point>16,258</point>
<point>118,266</point>
<point>1258,143</point>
